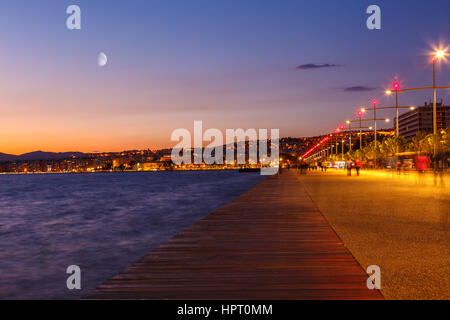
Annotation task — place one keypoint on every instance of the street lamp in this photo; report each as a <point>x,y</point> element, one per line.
<point>350,129</point>
<point>441,53</point>
<point>374,103</point>
<point>342,129</point>
<point>395,87</point>
<point>438,55</point>
<point>360,114</point>
<point>336,132</point>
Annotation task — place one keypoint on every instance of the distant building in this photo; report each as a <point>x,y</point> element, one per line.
<point>116,162</point>
<point>166,158</point>
<point>148,166</point>
<point>421,119</point>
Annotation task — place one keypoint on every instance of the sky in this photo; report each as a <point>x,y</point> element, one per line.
<point>303,67</point>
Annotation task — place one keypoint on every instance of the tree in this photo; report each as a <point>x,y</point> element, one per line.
<point>392,145</point>
<point>419,142</point>
<point>371,151</point>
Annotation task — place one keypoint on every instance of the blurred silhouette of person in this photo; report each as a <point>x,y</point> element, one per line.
<point>320,164</point>
<point>422,165</point>
<point>348,165</point>
<point>399,165</point>
<point>357,166</point>
<point>439,168</point>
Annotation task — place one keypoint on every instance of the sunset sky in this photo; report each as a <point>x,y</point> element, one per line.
<point>301,66</point>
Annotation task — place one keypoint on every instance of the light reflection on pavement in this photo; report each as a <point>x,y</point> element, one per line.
<point>398,222</point>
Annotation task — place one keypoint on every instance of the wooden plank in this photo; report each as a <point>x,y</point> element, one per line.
<point>270,243</point>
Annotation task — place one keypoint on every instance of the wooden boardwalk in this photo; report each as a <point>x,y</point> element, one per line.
<point>270,243</point>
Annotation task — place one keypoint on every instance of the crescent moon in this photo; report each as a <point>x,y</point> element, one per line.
<point>102,59</point>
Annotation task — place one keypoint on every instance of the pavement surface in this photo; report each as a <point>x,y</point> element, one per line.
<point>398,222</point>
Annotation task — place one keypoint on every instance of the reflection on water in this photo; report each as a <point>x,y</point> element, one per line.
<point>101,222</point>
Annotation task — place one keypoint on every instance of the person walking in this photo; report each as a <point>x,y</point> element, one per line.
<point>422,165</point>
<point>357,166</point>
<point>319,164</point>
<point>349,165</point>
<point>439,170</point>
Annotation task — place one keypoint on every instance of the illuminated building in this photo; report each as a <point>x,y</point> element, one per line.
<point>421,119</point>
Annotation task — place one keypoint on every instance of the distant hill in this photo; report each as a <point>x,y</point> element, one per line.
<point>39,155</point>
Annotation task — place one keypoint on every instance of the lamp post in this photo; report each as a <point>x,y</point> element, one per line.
<point>395,86</point>
<point>374,104</point>
<point>336,148</point>
<point>360,113</point>
<point>374,120</point>
<point>342,130</point>
<point>350,129</point>
<point>434,99</point>
<point>336,132</point>
<point>438,55</point>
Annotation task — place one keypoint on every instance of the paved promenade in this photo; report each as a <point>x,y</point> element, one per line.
<point>398,222</point>
<point>270,243</point>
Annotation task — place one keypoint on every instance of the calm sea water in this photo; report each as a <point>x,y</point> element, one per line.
<point>101,222</point>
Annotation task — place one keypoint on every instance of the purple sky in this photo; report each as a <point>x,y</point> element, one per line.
<point>302,67</point>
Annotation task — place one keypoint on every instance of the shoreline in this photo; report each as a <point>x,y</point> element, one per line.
<point>127,171</point>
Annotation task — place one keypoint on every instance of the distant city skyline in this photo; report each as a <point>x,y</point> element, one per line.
<point>301,67</point>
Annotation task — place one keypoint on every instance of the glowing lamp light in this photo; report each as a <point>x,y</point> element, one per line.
<point>342,127</point>
<point>412,108</point>
<point>388,92</point>
<point>360,113</point>
<point>387,120</point>
<point>374,102</point>
<point>348,121</point>
<point>396,85</point>
<point>440,54</point>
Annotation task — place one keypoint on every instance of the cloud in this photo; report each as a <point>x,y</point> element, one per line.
<point>310,66</point>
<point>358,89</point>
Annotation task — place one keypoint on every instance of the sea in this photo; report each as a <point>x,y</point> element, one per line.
<point>100,222</point>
